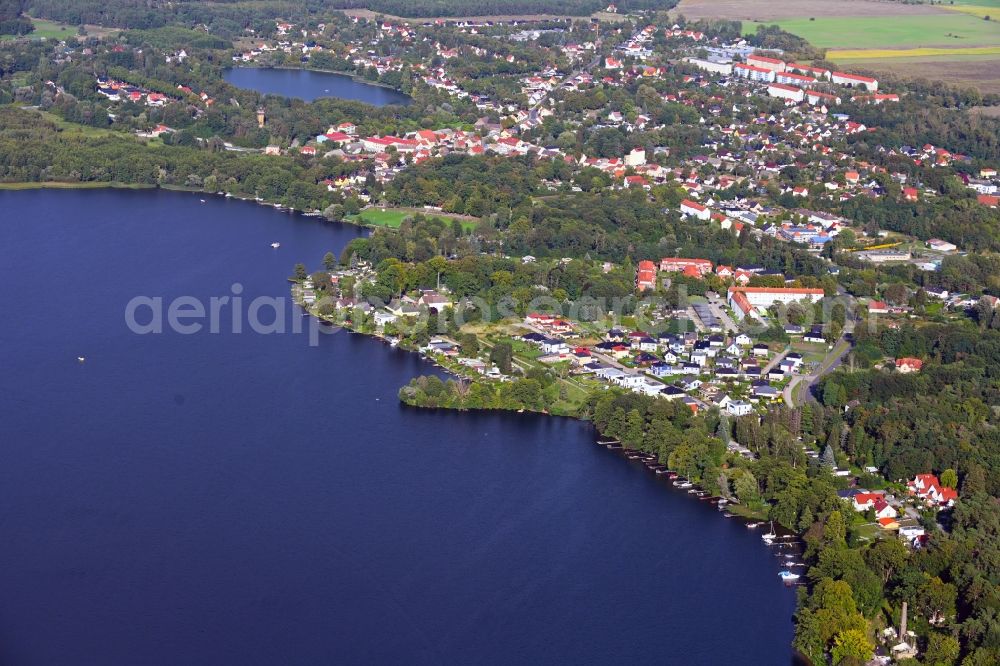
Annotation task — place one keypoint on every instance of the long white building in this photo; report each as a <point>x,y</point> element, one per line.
<point>855,81</point>
<point>717,67</point>
<point>753,72</point>
<point>786,92</point>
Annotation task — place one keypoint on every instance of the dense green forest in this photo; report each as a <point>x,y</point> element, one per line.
<point>943,418</point>
<point>228,18</point>
<point>33,149</point>
<point>936,419</point>
<point>11,21</point>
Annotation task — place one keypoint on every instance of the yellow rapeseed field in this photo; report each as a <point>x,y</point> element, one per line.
<point>867,54</point>
<point>975,10</point>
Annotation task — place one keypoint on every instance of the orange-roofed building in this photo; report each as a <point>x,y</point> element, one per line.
<point>691,272</point>
<point>679,264</point>
<point>743,300</point>
<point>888,523</point>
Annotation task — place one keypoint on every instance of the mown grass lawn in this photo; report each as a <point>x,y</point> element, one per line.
<point>393,218</point>
<point>381,217</point>
<point>76,128</point>
<point>886,32</point>
<point>53,30</point>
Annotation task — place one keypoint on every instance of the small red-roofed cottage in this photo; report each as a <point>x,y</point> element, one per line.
<point>908,364</point>
<point>539,318</point>
<point>990,200</point>
<point>561,326</point>
<point>911,193</point>
<point>866,500</point>
<point>636,181</point>
<point>878,307</point>
<point>883,509</point>
<point>888,523</point>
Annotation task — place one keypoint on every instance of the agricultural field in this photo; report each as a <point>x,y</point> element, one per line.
<point>948,41</point>
<point>978,10</point>
<point>995,4</point>
<point>951,30</point>
<point>773,10</point>
<point>981,72</point>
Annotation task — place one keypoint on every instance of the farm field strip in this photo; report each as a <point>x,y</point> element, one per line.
<point>979,11</point>
<point>770,10</point>
<point>869,54</point>
<point>948,30</point>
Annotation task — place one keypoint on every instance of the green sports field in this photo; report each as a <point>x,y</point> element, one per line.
<point>885,32</point>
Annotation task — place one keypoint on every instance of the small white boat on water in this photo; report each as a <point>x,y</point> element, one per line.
<point>788,576</point>
<point>770,536</point>
<point>81,359</point>
<point>275,245</point>
<point>203,201</point>
<point>753,526</point>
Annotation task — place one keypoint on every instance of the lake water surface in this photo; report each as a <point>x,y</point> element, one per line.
<point>251,499</point>
<point>310,85</point>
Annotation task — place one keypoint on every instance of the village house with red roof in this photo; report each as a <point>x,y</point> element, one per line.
<point>928,488</point>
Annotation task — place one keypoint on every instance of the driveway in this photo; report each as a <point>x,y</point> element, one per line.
<point>715,304</point>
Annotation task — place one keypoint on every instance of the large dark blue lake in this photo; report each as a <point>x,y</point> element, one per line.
<point>310,85</point>
<point>223,498</point>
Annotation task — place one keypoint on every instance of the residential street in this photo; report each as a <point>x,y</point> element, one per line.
<point>831,361</point>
